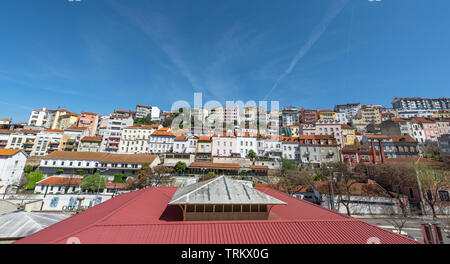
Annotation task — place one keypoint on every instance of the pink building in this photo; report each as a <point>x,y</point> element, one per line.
<point>432,129</point>
<point>224,145</point>
<point>324,127</point>
<point>89,120</point>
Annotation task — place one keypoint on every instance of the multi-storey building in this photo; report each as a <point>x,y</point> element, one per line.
<point>12,162</point>
<point>22,139</point>
<point>47,141</point>
<point>352,155</point>
<point>161,141</point>
<point>350,110</point>
<point>396,127</point>
<point>442,114</point>
<point>135,139</point>
<point>386,116</point>
<point>108,164</point>
<point>111,129</point>
<point>419,107</point>
<point>5,121</point>
<point>365,116</point>
<point>430,127</point>
<point>224,145</point>
<point>393,146</point>
<point>71,138</point>
<point>64,119</point>
<point>318,149</point>
<point>324,127</point>
<point>89,120</point>
<point>327,114</point>
<point>308,116</point>
<point>270,147</point>
<point>185,144</point>
<point>143,111</point>
<point>291,148</point>
<point>90,144</point>
<point>290,116</point>
<point>204,149</point>
<point>245,143</point>
<point>348,135</point>
<point>42,117</point>
<point>342,118</point>
<point>4,137</point>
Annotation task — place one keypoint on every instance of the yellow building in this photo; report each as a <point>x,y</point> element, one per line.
<point>365,116</point>
<point>348,134</point>
<point>64,119</point>
<point>442,114</point>
<point>327,114</point>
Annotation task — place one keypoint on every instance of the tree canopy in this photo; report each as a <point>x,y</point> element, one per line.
<point>93,182</point>
<point>32,178</point>
<point>180,167</point>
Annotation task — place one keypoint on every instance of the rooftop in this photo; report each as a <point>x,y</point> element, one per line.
<point>221,190</point>
<point>145,217</point>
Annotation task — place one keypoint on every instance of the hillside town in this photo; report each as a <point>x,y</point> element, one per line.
<point>359,160</point>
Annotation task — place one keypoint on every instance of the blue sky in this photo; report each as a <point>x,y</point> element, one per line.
<point>100,55</point>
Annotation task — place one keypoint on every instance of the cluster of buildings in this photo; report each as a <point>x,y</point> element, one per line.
<point>351,133</point>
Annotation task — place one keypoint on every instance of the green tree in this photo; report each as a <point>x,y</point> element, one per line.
<point>32,178</point>
<point>287,165</point>
<point>80,172</point>
<point>28,169</point>
<point>252,154</point>
<point>93,182</point>
<point>59,171</point>
<point>180,167</point>
<point>119,178</point>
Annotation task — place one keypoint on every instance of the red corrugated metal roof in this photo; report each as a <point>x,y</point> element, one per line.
<point>144,217</point>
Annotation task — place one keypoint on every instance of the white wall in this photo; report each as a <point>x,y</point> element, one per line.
<point>11,169</point>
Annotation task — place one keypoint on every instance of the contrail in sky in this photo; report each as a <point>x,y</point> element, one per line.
<point>332,12</point>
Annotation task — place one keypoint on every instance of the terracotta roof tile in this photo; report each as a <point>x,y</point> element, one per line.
<point>8,152</point>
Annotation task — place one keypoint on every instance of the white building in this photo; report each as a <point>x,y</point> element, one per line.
<point>291,148</point>
<point>290,116</point>
<point>111,129</point>
<point>22,139</point>
<point>185,144</point>
<point>4,137</point>
<point>350,110</point>
<point>108,164</point>
<point>143,110</point>
<point>419,107</point>
<point>342,118</point>
<point>12,162</point>
<point>135,139</point>
<point>161,141</point>
<point>42,117</point>
<point>47,141</point>
<point>245,143</point>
